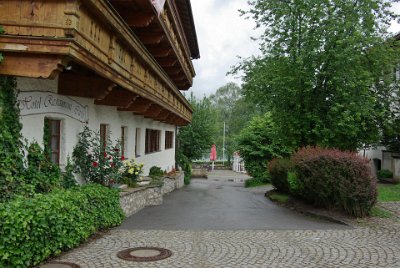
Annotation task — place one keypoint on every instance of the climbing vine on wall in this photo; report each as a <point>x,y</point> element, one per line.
<point>1,31</point>
<point>11,163</point>
<point>46,138</point>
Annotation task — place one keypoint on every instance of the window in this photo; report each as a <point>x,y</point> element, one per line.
<point>152,141</point>
<point>137,142</point>
<point>103,135</point>
<point>169,139</point>
<point>55,139</point>
<point>124,133</point>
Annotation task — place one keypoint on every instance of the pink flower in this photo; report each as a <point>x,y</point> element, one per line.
<point>122,158</point>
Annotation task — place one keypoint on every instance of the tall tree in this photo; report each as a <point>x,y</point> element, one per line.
<point>233,111</point>
<point>324,65</point>
<point>196,138</point>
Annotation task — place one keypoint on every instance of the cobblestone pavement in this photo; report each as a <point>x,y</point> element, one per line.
<point>362,247</point>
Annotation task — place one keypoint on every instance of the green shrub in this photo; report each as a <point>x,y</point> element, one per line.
<point>384,174</point>
<point>332,178</point>
<point>156,172</point>
<point>278,170</point>
<point>254,182</point>
<point>96,160</point>
<point>32,229</point>
<point>293,182</point>
<point>41,175</point>
<point>185,164</point>
<point>67,177</point>
<point>11,164</point>
<point>258,144</point>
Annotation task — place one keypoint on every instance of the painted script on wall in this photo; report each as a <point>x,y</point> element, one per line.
<point>40,102</point>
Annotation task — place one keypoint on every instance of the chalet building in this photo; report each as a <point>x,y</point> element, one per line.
<point>117,65</point>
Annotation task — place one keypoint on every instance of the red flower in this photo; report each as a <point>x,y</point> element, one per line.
<point>116,150</point>
<point>95,164</point>
<point>109,158</point>
<point>122,158</point>
<point>105,154</point>
<point>112,165</point>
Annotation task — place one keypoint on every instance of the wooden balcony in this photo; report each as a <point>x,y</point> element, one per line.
<point>95,53</point>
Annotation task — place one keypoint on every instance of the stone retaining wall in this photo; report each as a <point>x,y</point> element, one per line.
<point>134,199</point>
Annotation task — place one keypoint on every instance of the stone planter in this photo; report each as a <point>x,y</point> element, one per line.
<point>133,200</point>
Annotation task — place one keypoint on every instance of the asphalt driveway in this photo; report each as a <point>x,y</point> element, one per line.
<point>222,203</point>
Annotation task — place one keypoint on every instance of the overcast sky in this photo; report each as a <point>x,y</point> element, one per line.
<point>223,35</point>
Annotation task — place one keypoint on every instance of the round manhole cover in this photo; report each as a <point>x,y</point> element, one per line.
<point>144,254</point>
<point>59,265</point>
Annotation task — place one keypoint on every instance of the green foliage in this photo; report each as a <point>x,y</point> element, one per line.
<point>67,177</point>
<point>156,172</point>
<point>384,174</point>
<point>332,178</point>
<point>258,144</point>
<point>255,182</point>
<point>278,169</point>
<point>1,32</point>
<point>33,229</point>
<point>11,164</point>
<point>197,137</point>
<point>186,166</point>
<point>279,197</point>
<point>294,185</point>
<point>380,213</point>
<point>41,176</point>
<point>388,193</point>
<point>232,109</point>
<point>131,171</point>
<point>96,162</point>
<point>46,138</point>
<point>325,72</point>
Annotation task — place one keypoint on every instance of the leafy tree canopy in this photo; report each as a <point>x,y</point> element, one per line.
<point>324,68</point>
<point>258,144</point>
<point>231,109</point>
<point>196,138</point>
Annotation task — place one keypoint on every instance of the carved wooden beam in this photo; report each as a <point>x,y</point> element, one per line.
<point>117,97</point>
<point>178,77</point>
<point>167,62</point>
<point>139,105</point>
<point>149,38</point>
<point>84,86</point>
<point>137,19</point>
<point>31,65</point>
<point>162,116</point>
<point>172,70</point>
<point>160,52</point>
<point>153,111</point>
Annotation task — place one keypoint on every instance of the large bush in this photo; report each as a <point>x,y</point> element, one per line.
<point>333,178</point>
<point>278,170</point>
<point>96,160</point>
<point>32,229</point>
<point>258,144</point>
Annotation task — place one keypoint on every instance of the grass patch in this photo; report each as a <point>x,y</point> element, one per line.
<point>278,197</point>
<point>388,192</point>
<point>380,213</point>
<point>255,182</point>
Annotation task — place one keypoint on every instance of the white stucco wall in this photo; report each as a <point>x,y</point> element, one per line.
<point>97,114</point>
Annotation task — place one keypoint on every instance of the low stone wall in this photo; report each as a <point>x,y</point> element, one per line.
<point>134,199</point>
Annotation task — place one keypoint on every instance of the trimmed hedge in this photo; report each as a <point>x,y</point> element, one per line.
<point>278,170</point>
<point>333,178</point>
<point>33,229</point>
